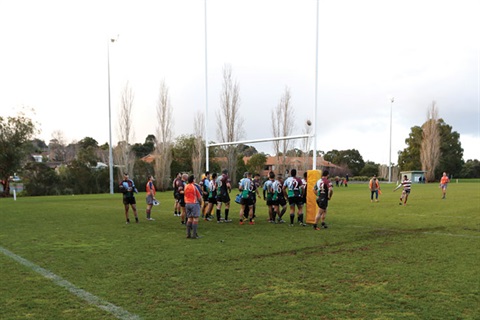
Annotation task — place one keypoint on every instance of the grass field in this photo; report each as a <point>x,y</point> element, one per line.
<point>63,257</point>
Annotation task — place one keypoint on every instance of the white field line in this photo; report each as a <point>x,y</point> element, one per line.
<point>426,232</point>
<point>118,312</point>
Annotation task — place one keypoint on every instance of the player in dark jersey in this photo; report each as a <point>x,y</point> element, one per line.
<point>181,199</point>
<point>282,202</point>
<point>177,183</point>
<point>223,189</point>
<point>212,197</point>
<point>324,191</point>
<point>205,185</point>
<point>246,189</point>
<point>127,187</point>
<point>293,188</point>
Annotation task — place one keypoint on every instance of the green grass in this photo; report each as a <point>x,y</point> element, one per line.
<point>376,261</point>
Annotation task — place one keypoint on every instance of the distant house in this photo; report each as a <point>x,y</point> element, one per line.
<point>415,176</point>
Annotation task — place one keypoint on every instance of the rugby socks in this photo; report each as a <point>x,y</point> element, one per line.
<point>195,227</point>
<point>283,211</point>
<point>218,215</point>
<point>189,228</point>
<point>300,217</point>
<point>148,214</point>
<point>292,218</point>
<point>226,214</point>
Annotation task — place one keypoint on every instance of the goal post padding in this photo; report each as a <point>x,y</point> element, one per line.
<point>311,206</point>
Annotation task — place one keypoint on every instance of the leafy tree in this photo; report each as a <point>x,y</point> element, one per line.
<point>142,150</point>
<point>409,158</point>
<point>15,135</point>
<point>471,169</point>
<point>369,169</point>
<point>80,178</point>
<point>182,154</point>
<point>41,180</point>
<point>141,172</point>
<point>88,151</point>
<point>38,146</point>
<point>246,151</point>
<point>451,151</point>
<point>256,163</point>
<point>241,169</point>
<point>350,158</point>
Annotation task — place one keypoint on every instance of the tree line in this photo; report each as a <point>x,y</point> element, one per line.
<point>76,168</point>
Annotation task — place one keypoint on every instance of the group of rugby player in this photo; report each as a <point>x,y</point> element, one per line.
<point>276,192</point>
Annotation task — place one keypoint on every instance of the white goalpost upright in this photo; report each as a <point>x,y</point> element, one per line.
<point>303,136</point>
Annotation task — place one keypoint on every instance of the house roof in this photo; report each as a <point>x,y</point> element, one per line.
<point>149,158</point>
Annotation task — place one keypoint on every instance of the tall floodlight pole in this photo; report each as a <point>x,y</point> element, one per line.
<point>110,153</point>
<point>390,151</point>
<point>314,160</point>
<point>206,94</point>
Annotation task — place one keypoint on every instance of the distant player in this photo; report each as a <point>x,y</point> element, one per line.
<point>177,183</point>
<point>293,188</point>
<point>223,195</point>
<point>407,185</point>
<point>282,203</point>
<point>374,187</point>
<point>324,191</point>
<point>181,199</point>
<point>246,189</point>
<point>255,192</point>
<point>205,185</point>
<point>127,187</point>
<point>270,195</point>
<point>212,197</point>
<point>150,188</point>
<point>443,185</point>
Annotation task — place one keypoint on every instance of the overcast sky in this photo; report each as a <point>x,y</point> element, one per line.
<point>53,59</point>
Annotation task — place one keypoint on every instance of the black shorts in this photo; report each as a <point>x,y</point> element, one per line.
<point>272,202</point>
<point>295,201</point>
<point>212,200</point>
<point>322,202</point>
<point>246,201</point>
<point>223,198</point>
<point>182,201</point>
<point>129,200</point>
<point>282,202</point>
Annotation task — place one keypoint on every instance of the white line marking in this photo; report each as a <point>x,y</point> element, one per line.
<point>118,312</point>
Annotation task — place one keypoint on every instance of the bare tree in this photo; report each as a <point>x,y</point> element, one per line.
<point>229,121</point>
<point>124,156</point>
<point>163,147</point>
<point>430,147</point>
<point>198,154</point>
<point>282,126</point>
<point>57,146</point>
